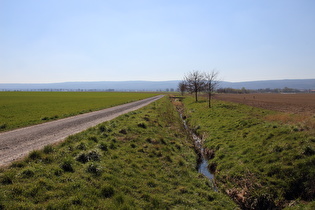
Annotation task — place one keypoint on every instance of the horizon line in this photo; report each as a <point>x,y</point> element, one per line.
<point>31,83</point>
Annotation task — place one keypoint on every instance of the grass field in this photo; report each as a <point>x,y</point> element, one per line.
<point>19,109</point>
<point>140,160</point>
<point>260,163</point>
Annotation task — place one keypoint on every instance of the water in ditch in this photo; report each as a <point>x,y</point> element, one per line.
<point>202,163</point>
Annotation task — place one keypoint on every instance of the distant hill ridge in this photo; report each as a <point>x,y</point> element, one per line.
<point>302,84</point>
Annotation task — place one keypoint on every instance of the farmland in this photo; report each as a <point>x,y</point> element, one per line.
<point>292,103</point>
<point>20,109</point>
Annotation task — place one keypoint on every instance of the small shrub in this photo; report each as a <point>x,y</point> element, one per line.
<point>107,192</point>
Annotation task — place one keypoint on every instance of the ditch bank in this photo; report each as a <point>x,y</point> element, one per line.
<point>209,169</point>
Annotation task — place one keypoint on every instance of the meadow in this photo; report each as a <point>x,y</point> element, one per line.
<point>20,109</point>
<point>140,160</point>
<point>258,159</point>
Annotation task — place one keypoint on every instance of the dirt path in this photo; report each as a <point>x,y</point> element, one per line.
<point>18,143</point>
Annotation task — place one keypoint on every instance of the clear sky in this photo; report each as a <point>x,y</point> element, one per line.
<point>43,41</point>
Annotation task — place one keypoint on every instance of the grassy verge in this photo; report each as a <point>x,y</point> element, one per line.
<point>19,109</point>
<point>261,164</point>
<point>141,160</point>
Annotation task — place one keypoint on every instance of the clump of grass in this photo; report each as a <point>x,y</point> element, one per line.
<point>103,146</point>
<point>3,126</point>
<point>102,128</point>
<point>48,149</point>
<point>6,179</point>
<point>89,156</point>
<point>93,138</point>
<point>82,146</point>
<point>142,125</point>
<point>107,191</point>
<point>27,173</point>
<point>123,131</point>
<point>45,118</point>
<point>94,169</point>
<point>308,151</point>
<point>35,155</point>
<point>67,165</point>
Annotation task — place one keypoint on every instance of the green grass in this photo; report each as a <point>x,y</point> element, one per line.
<point>19,109</point>
<point>261,164</point>
<point>140,160</point>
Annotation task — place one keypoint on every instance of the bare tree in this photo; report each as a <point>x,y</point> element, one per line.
<point>182,87</point>
<point>195,82</point>
<point>211,83</point>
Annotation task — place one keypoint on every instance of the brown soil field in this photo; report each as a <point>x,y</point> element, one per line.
<point>291,103</point>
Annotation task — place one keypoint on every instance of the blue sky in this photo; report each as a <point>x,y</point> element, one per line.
<point>113,40</point>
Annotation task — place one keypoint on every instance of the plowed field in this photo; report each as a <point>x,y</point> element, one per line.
<point>292,103</point>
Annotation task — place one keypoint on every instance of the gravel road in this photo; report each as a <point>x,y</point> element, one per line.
<point>18,143</point>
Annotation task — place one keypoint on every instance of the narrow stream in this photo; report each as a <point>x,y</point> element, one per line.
<point>202,163</point>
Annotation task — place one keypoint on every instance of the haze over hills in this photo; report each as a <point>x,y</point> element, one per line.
<point>302,84</point>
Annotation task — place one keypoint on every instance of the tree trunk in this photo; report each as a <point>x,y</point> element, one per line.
<point>196,95</point>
